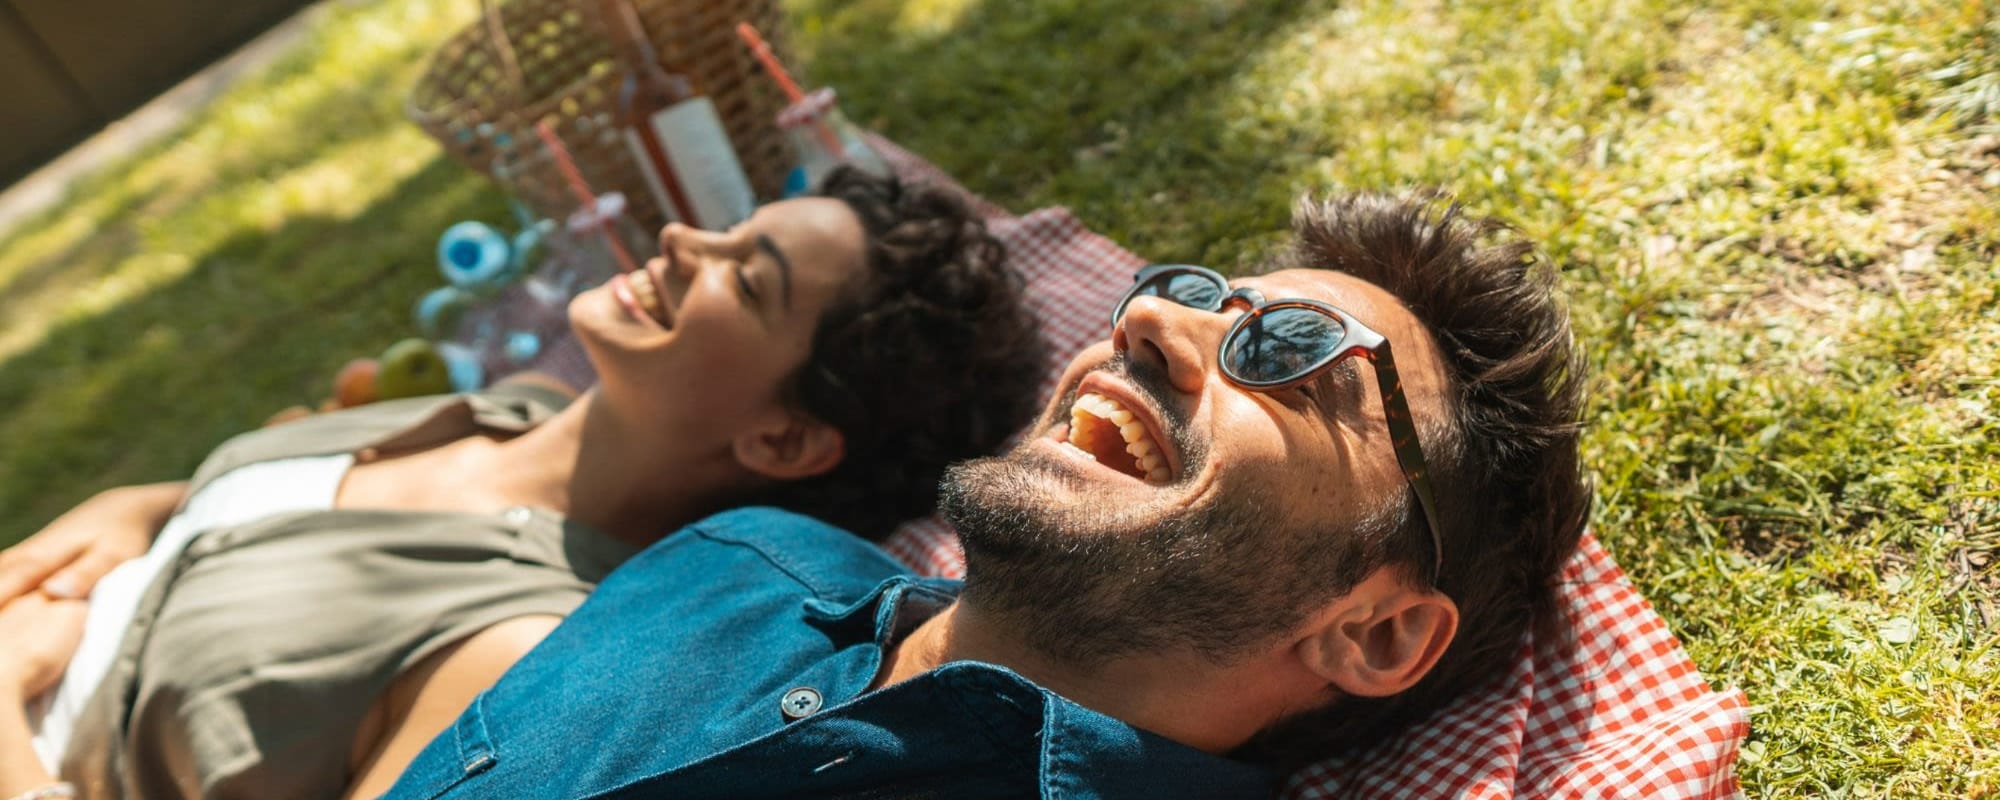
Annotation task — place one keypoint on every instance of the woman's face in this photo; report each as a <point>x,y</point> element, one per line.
<point>703,337</point>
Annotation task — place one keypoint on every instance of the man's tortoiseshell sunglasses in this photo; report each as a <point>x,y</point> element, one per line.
<point>1279,344</point>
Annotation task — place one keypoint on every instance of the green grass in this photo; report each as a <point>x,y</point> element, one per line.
<point>1777,220</point>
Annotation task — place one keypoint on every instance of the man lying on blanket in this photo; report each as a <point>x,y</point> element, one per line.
<point>1266,519</point>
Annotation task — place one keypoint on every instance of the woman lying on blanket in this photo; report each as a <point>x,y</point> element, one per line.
<point>324,596</point>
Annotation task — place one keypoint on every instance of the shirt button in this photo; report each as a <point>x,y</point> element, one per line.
<point>519,515</point>
<point>801,702</point>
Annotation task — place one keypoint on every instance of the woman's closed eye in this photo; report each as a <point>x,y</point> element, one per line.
<point>755,286</point>
<point>748,288</point>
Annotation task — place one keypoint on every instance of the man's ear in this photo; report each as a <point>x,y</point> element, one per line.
<point>1381,638</point>
<point>791,446</point>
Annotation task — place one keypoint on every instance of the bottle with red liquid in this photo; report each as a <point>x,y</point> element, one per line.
<point>674,132</point>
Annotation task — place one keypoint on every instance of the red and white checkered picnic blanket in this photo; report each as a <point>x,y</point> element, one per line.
<point>1622,713</point>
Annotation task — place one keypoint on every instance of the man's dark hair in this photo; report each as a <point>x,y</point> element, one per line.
<point>932,357</point>
<point>1511,496</point>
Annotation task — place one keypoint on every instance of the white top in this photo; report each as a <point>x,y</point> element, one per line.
<point>242,495</point>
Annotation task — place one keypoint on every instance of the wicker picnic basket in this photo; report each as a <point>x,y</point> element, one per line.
<point>525,61</point>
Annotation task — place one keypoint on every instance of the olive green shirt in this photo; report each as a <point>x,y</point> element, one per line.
<point>253,659</point>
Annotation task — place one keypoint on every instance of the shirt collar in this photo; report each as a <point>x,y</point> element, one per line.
<point>1089,754</point>
<point>1083,753</point>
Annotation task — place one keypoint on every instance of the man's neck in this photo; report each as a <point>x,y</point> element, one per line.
<point>1178,696</point>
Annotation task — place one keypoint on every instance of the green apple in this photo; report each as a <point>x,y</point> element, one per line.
<point>411,368</point>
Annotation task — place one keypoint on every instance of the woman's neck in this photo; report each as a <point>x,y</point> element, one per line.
<point>598,469</point>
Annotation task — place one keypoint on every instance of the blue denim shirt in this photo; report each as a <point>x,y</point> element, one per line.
<point>673,681</point>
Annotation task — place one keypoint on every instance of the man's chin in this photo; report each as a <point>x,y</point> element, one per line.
<point>1039,498</point>
<point>1038,479</point>
<point>1087,566</point>
<point>1004,494</point>
<point>981,484</point>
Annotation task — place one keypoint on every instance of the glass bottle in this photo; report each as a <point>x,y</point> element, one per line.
<point>675,133</point>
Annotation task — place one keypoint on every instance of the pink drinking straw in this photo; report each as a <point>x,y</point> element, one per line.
<point>762,50</point>
<point>582,191</point>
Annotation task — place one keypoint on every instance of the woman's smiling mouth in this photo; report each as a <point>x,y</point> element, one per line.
<point>641,297</point>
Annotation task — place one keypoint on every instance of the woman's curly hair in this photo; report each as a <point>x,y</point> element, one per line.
<point>932,357</point>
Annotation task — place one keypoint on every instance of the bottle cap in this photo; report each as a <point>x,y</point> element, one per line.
<point>473,256</point>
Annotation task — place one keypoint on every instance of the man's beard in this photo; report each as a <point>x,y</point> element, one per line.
<point>1092,582</point>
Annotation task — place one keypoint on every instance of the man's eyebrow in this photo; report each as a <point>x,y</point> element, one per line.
<point>784,267</point>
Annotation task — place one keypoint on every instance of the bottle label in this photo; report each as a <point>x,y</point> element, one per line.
<point>642,157</point>
<point>699,152</point>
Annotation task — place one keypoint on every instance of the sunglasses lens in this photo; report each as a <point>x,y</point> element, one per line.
<point>1191,289</point>
<point>1281,344</point>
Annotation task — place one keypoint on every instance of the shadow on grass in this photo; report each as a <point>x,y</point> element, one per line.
<point>1106,106</point>
<point>142,392</point>
<point>102,246</point>
<point>1091,104</point>
<point>299,145</point>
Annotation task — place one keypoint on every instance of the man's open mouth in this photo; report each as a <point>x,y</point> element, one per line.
<point>1113,436</point>
<point>641,296</point>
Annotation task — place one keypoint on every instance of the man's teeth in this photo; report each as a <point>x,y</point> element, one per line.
<point>1141,447</point>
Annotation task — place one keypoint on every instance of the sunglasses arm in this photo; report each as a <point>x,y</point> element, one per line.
<point>1409,452</point>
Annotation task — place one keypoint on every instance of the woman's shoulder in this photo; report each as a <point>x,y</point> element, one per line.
<point>341,431</point>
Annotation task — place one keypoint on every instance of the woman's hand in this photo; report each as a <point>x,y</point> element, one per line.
<point>66,558</point>
<point>38,634</point>
<point>41,633</point>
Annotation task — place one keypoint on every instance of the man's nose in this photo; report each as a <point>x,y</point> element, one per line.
<point>1176,338</point>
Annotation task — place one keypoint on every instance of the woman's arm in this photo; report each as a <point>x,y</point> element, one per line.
<point>20,769</point>
<point>66,558</point>
<point>428,697</point>
<point>40,634</point>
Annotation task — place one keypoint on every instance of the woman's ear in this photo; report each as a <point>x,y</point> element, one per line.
<point>1381,638</point>
<point>793,445</point>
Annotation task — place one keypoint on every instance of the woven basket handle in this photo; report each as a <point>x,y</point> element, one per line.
<point>509,63</point>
